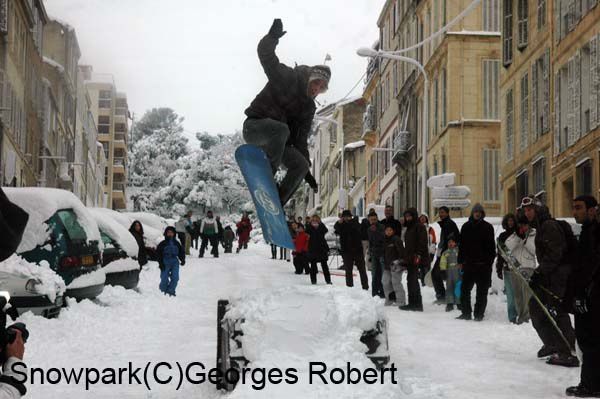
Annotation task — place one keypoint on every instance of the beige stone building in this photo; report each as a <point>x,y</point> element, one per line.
<point>110,112</point>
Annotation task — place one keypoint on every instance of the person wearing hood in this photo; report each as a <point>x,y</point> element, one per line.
<point>509,224</point>
<point>431,245</point>
<point>476,254</point>
<point>280,118</point>
<point>210,231</point>
<point>415,252</point>
<point>318,249</point>
<point>549,282</point>
<point>137,231</point>
<point>521,246</point>
<point>228,238</point>
<point>448,229</point>
<point>244,227</point>
<point>171,255</point>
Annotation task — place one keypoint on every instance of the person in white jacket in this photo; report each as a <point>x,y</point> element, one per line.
<point>521,245</point>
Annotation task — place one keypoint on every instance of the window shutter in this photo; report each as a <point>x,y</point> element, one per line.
<point>546,93</point>
<point>594,83</point>
<point>557,144</point>
<point>577,95</point>
<point>524,112</point>
<point>534,101</point>
<point>570,103</point>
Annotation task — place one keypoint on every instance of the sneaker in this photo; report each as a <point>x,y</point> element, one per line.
<point>545,351</point>
<point>464,317</point>
<point>449,307</point>
<point>580,391</point>
<point>563,360</point>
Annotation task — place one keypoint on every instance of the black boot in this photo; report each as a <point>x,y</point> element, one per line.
<point>449,307</point>
<point>464,317</point>
<point>545,351</point>
<point>580,391</point>
<point>563,360</point>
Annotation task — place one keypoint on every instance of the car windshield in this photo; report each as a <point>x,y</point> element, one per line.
<point>74,229</point>
<point>106,238</point>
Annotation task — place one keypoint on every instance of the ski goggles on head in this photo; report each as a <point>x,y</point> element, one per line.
<point>530,201</point>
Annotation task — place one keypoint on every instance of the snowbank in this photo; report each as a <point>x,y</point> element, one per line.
<point>106,219</point>
<point>121,265</point>
<point>293,326</point>
<point>94,278</point>
<point>41,204</point>
<point>51,284</point>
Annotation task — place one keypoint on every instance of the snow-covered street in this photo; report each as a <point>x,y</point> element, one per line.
<point>437,356</point>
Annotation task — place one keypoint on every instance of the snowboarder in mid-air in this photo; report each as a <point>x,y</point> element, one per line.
<point>280,117</point>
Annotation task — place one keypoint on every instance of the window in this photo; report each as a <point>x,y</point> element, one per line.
<point>522,23</point>
<point>491,22</point>
<point>103,124</point>
<point>541,14</point>
<point>540,93</point>
<point>507,40</point>
<point>509,125</point>
<point>584,178</point>
<point>522,185</point>
<point>585,86</point>
<point>524,140</point>
<point>435,166</point>
<point>443,99</point>
<point>491,171</point>
<point>539,177</point>
<point>491,76</point>
<point>436,101</point>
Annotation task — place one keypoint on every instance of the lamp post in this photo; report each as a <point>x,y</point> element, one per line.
<point>370,53</point>
<point>343,166</point>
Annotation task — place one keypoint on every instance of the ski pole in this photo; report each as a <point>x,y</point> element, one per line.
<point>511,265</point>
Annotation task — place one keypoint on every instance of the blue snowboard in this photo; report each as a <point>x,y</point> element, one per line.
<point>256,168</point>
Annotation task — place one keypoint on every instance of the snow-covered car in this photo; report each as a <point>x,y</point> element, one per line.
<point>152,224</point>
<point>62,232</point>
<point>120,249</point>
<point>32,288</point>
<point>300,323</point>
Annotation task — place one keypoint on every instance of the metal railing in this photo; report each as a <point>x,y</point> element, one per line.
<point>119,186</point>
<point>119,162</point>
<point>402,143</point>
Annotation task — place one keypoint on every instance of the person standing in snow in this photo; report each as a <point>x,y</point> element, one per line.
<point>228,239</point>
<point>393,268</point>
<point>449,265</point>
<point>209,231</point>
<point>318,249</point>
<point>301,250</point>
<point>431,245</point>
<point>280,118</point>
<point>181,230</point>
<point>364,237</point>
<point>448,228</point>
<point>554,247</point>
<point>171,255</point>
<point>584,295</point>
<point>509,224</point>
<point>521,246</point>
<point>376,233</point>
<point>476,254</point>
<point>244,227</point>
<point>137,231</point>
<point>195,233</point>
<point>349,231</point>
<point>415,250</point>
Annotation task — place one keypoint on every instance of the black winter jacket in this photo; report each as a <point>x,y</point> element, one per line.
<point>585,278</point>
<point>394,251</point>
<point>364,229</point>
<point>448,229</point>
<point>350,236</point>
<point>415,241</point>
<point>318,249</point>
<point>376,240</point>
<point>477,244</point>
<point>285,97</point>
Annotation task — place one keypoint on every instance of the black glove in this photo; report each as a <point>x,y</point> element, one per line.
<point>580,305</point>
<point>310,179</point>
<point>276,30</point>
<point>535,280</point>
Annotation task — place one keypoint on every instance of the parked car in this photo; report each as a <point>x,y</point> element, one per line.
<point>32,288</point>
<point>154,227</point>
<point>63,233</point>
<point>120,249</point>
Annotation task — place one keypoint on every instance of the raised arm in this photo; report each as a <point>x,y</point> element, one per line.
<point>275,70</point>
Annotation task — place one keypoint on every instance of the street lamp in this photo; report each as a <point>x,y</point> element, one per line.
<point>370,53</point>
<point>343,166</point>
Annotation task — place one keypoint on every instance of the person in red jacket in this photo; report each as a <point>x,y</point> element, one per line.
<point>244,227</point>
<point>301,245</point>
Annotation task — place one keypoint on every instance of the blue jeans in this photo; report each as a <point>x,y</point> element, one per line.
<point>510,297</point>
<point>377,266</point>
<point>169,277</point>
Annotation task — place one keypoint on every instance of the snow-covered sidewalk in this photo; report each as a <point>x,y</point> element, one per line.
<point>437,356</point>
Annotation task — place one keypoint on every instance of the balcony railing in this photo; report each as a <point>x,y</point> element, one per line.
<point>370,119</point>
<point>402,143</point>
<point>118,186</point>
<point>119,162</point>
<point>120,137</point>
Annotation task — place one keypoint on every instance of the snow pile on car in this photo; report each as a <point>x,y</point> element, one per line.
<point>41,204</point>
<point>106,219</point>
<point>96,277</point>
<point>293,326</point>
<point>50,283</point>
<point>121,265</point>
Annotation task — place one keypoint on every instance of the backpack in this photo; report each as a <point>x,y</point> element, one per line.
<point>571,240</point>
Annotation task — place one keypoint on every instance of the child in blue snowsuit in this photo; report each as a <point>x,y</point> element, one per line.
<point>171,255</point>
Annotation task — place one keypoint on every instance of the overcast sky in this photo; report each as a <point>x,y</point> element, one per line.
<point>199,56</point>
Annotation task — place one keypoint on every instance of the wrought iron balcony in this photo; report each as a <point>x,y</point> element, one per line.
<point>402,143</point>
